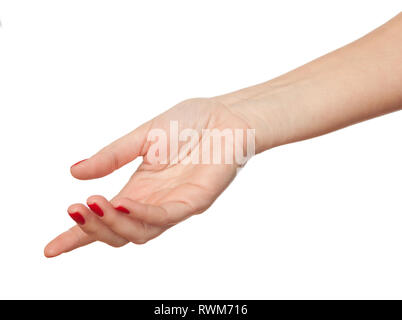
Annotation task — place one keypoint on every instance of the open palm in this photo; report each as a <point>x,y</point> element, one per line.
<point>158,195</point>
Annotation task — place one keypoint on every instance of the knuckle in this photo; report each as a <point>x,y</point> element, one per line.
<point>139,241</point>
<point>117,244</point>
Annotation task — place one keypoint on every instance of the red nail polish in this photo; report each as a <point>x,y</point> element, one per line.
<point>95,208</point>
<point>122,209</point>
<point>78,162</point>
<point>77,217</point>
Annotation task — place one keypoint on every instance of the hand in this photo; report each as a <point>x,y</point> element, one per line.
<point>158,195</point>
<point>327,94</point>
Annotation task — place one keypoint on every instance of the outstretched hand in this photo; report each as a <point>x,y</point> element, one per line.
<point>158,195</point>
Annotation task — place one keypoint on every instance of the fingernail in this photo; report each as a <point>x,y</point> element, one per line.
<point>78,162</point>
<point>122,209</point>
<point>95,208</point>
<point>77,217</point>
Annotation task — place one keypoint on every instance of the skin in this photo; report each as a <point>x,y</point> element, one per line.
<point>357,82</point>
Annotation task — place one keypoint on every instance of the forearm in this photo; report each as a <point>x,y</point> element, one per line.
<point>357,82</point>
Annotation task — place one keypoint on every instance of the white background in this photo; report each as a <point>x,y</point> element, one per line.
<point>316,219</point>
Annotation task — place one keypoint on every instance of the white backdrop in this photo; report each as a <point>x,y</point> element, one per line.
<point>316,219</point>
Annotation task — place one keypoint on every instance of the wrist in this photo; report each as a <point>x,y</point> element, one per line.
<point>263,108</point>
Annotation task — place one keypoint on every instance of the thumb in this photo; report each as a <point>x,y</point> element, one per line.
<point>113,156</point>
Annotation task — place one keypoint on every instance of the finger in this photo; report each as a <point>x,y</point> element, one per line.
<point>112,157</point>
<point>167,214</point>
<point>93,226</point>
<point>128,228</point>
<point>67,241</point>
<point>76,236</point>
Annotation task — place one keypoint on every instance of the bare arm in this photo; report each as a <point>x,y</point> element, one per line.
<point>357,82</point>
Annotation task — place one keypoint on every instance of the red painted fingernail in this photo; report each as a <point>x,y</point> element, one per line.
<point>122,209</point>
<point>78,162</point>
<point>95,208</point>
<point>77,217</point>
